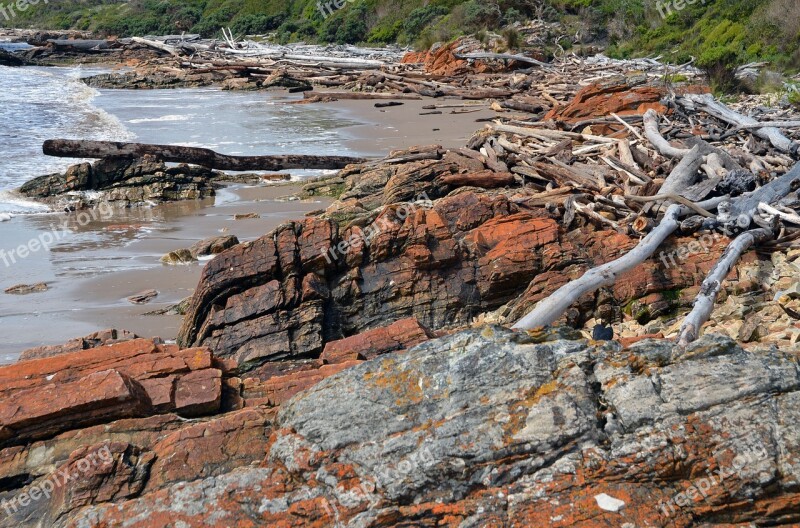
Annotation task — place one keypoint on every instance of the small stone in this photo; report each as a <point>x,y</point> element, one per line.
<point>213,245</point>
<point>608,503</point>
<point>25,289</point>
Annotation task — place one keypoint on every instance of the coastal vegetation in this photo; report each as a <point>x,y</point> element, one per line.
<point>717,34</point>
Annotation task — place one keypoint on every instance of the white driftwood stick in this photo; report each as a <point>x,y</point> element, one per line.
<point>704,304</point>
<point>663,146</point>
<point>711,106</point>
<point>157,45</point>
<point>550,309</point>
<point>792,218</point>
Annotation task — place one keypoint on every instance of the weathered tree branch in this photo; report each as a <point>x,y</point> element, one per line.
<point>663,146</point>
<point>69,148</point>
<point>551,308</point>
<point>704,304</point>
<point>711,106</point>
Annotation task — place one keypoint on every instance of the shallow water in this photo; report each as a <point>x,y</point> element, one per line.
<point>92,268</point>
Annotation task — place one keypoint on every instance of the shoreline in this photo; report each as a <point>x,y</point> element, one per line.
<point>98,301</point>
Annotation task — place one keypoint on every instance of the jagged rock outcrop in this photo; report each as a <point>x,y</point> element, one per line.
<point>443,262</point>
<point>128,181</point>
<point>486,427</point>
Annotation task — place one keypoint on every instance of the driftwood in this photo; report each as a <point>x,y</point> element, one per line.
<point>502,56</point>
<point>172,50</point>
<point>69,148</point>
<point>711,106</point>
<point>360,95</point>
<point>704,303</point>
<point>654,136</point>
<point>550,309</point>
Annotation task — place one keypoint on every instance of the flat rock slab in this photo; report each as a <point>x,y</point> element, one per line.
<point>143,297</point>
<point>25,289</point>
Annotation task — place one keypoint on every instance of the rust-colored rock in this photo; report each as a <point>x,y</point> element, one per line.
<point>40,412</point>
<point>126,379</point>
<point>617,95</point>
<point>279,389</point>
<point>103,337</point>
<point>400,335</point>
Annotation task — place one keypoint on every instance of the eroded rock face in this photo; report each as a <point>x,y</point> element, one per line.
<point>494,428</point>
<point>287,294</point>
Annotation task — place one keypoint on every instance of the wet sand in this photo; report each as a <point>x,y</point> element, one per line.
<point>110,260</point>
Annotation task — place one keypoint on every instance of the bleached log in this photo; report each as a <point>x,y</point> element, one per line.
<point>704,303</point>
<point>550,309</point>
<point>661,145</point>
<point>502,56</point>
<point>711,106</point>
<point>157,45</point>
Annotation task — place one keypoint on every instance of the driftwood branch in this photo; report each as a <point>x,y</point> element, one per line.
<point>663,146</point>
<point>711,106</point>
<point>551,308</point>
<point>69,148</point>
<point>503,56</point>
<point>704,304</point>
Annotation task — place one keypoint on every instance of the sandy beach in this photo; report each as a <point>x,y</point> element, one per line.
<point>120,256</point>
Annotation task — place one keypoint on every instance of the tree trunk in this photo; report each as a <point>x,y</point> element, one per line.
<point>69,148</point>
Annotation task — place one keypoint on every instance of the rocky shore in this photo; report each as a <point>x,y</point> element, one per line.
<point>356,367</point>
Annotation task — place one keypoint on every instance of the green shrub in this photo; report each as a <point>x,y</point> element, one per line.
<point>421,17</point>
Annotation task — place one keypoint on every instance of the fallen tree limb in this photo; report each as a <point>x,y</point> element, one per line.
<point>704,304</point>
<point>663,146</point>
<point>769,194</point>
<point>550,309</point>
<point>69,148</point>
<point>711,106</point>
<point>172,50</point>
<point>502,56</point>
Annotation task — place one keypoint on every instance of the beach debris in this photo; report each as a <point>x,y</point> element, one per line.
<point>25,289</point>
<point>178,257</point>
<point>246,216</point>
<point>143,297</point>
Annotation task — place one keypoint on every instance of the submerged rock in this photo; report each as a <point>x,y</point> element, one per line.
<point>178,257</point>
